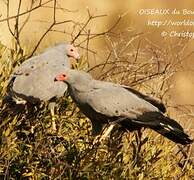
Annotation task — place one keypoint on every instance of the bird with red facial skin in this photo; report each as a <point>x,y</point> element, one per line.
<point>32,81</point>
<point>108,103</point>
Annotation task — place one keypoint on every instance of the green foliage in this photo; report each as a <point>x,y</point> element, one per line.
<point>30,149</point>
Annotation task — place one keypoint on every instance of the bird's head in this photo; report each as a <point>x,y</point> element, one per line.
<point>72,51</point>
<point>74,78</point>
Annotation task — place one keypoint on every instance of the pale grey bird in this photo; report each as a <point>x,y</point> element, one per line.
<point>109,103</point>
<point>32,81</point>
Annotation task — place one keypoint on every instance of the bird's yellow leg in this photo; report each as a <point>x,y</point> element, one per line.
<point>53,118</point>
<point>106,131</point>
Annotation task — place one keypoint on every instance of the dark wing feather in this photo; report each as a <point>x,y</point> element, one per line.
<point>164,125</point>
<point>149,99</point>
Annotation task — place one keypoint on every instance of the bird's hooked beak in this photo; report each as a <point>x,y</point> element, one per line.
<point>77,56</point>
<point>73,52</point>
<point>60,77</point>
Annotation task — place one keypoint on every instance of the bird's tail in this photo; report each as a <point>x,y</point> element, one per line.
<point>167,127</point>
<point>170,129</point>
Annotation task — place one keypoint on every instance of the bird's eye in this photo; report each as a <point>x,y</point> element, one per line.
<point>71,50</point>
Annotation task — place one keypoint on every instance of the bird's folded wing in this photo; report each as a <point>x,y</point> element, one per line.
<point>153,101</point>
<point>26,69</point>
<point>116,101</point>
<point>40,84</point>
<point>30,65</point>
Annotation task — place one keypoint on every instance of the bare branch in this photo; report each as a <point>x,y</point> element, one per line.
<point>47,31</point>
<point>60,8</point>
<point>26,12</point>
<point>7,19</point>
<point>85,25</point>
<point>102,33</point>
<point>27,18</point>
<point>54,23</point>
